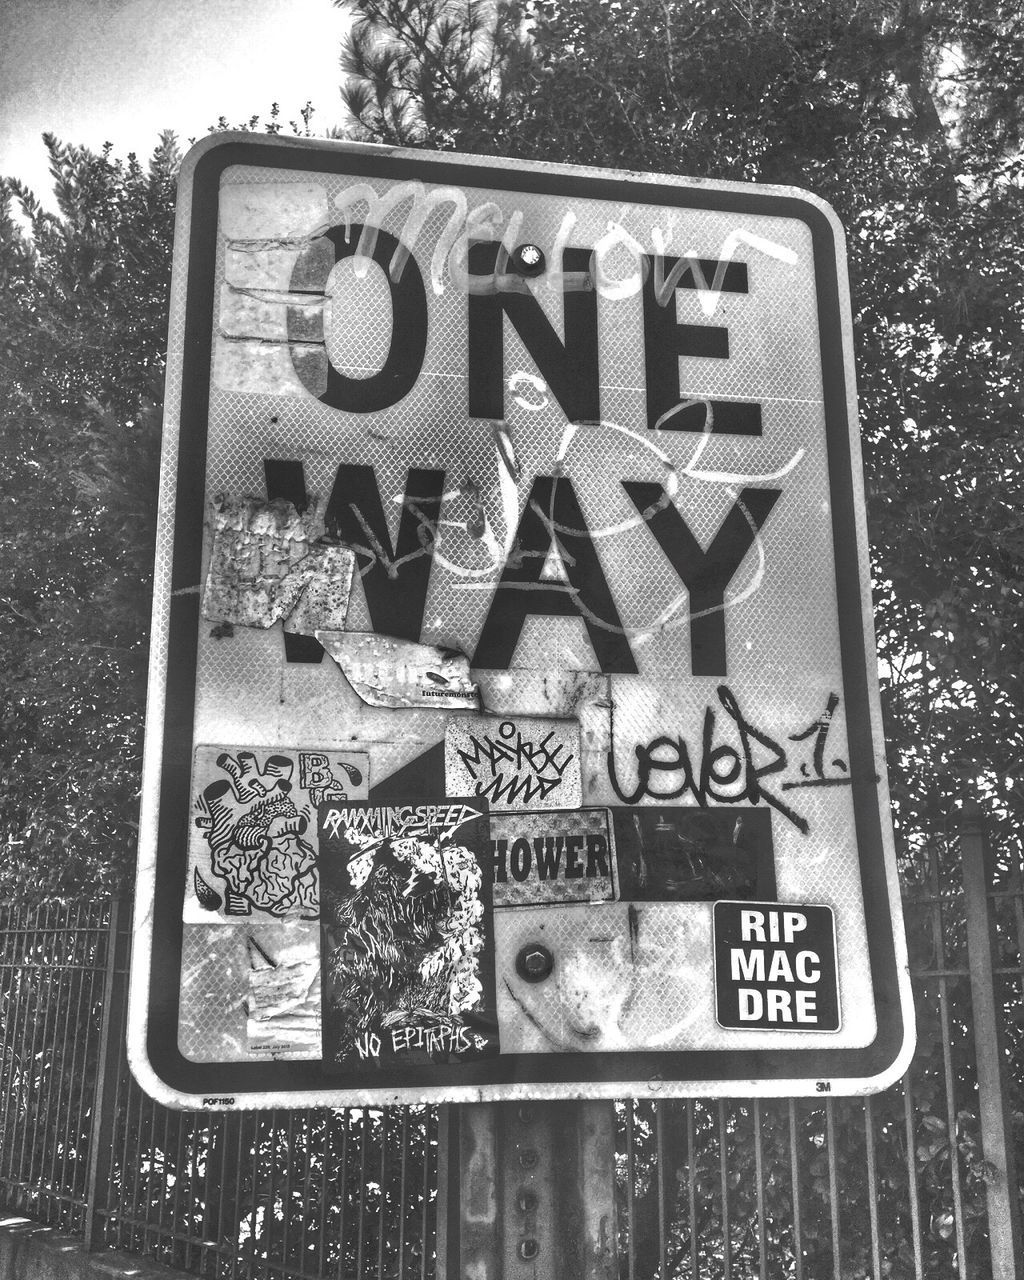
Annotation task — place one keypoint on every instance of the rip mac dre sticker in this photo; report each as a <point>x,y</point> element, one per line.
<point>775,966</point>
<point>252,848</point>
<point>558,855</point>
<point>407,950</point>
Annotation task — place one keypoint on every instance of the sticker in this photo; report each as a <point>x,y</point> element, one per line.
<point>266,566</point>
<point>559,855</point>
<point>283,1005</point>
<point>233,1008</point>
<point>775,966</point>
<point>694,855</point>
<point>386,672</point>
<point>516,762</point>
<point>252,850</point>
<point>408,952</point>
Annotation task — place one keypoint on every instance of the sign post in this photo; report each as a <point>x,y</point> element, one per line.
<point>513,728</point>
<point>527,1190</point>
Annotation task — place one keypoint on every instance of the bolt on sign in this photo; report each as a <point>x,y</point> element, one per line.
<point>513,728</point>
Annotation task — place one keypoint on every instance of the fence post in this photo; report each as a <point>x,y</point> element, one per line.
<point>104,1104</point>
<point>993,1084</point>
<point>527,1190</point>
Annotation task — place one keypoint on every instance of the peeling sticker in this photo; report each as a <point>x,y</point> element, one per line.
<point>273,210</point>
<point>218,1006</point>
<point>271,316</point>
<point>386,672</point>
<point>516,763</point>
<point>266,567</point>
<point>252,847</point>
<point>249,366</point>
<point>560,855</point>
<point>283,1005</point>
<point>253,266</point>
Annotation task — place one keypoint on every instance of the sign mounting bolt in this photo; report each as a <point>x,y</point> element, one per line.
<point>528,260</point>
<point>534,962</point>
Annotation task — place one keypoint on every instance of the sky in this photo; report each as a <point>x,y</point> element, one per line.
<point>93,71</point>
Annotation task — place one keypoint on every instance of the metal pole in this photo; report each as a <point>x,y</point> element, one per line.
<point>996,1133</point>
<point>101,1137</point>
<point>527,1190</point>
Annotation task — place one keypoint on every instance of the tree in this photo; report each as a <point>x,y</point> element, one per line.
<point>907,118</point>
<point>82,329</point>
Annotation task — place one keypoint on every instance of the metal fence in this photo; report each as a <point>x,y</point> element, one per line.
<point>898,1185</point>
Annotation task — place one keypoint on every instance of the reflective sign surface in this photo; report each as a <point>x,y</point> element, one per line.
<point>511,613</point>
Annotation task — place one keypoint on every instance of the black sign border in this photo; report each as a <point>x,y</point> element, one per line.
<point>633,1070</point>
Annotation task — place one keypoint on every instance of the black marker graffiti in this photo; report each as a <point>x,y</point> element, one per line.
<point>512,768</point>
<point>726,772</point>
<point>819,728</point>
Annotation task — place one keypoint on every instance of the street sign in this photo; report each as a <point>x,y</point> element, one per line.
<point>513,727</point>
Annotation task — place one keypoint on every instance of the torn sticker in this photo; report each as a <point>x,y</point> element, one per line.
<point>217,1001</point>
<point>267,566</point>
<point>386,672</point>
<point>271,315</point>
<point>252,849</point>
<point>559,855</point>
<point>279,267</point>
<point>687,854</point>
<point>274,211</point>
<point>283,1003</point>
<point>516,762</point>
<point>408,952</point>
<point>248,366</point>
<point>559,694</point>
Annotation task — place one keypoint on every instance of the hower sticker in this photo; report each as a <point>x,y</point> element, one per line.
<point>553,856</point>
<point>407,951</point>
<point>252,849</point>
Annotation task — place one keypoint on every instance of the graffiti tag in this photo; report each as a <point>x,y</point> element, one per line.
<point>511,767</point>
<point>733,762</point>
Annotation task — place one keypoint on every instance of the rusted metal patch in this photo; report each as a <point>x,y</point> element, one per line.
<point>386,672</point>
<point>517,762</point>
<point>267,565</point>
<point>552,857</point>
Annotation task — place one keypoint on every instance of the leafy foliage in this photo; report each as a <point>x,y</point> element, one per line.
<point>907,117</point>
<point>82,331</point>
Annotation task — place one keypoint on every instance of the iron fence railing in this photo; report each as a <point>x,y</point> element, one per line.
<point>895,1185</point>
